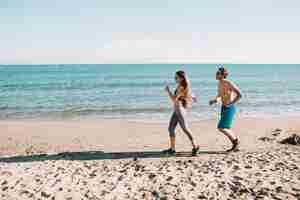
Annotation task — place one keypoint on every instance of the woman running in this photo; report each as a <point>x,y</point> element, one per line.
<point>182,99</point>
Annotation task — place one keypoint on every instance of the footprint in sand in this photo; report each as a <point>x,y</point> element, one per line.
<point>266,139</point>
<point>4,182</point>
<point>6,173</point>
<point>276,132</point>
<point>26,193</point>
<point>5,188</point>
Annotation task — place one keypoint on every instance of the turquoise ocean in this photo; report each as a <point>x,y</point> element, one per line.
<point>136,91</point>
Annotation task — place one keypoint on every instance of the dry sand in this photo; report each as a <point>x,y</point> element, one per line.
<point>119,159</point>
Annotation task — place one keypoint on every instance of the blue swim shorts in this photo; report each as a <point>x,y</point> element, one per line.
<point>227,117</point>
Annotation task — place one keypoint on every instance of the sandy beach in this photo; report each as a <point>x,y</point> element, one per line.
<point>40,136</point>
<point>91,93</point>
<point>119,159</point>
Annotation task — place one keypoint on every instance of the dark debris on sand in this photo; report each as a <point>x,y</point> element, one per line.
<point>292,140</point>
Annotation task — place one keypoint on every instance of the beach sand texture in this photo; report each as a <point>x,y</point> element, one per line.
<point>118,159</point>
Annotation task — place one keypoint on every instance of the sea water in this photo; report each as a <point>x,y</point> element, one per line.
<point>136,91</point>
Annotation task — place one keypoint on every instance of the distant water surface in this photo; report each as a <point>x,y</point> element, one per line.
<point>137,91</point>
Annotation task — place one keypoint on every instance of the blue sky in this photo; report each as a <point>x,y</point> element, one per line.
<point>156,31</point>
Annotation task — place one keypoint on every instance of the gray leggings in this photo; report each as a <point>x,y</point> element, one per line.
<point>178,116</point>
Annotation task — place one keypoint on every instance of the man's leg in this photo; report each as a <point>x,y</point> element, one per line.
<point>228,133</point>
<point>227,116</point>
<point>232,137</point>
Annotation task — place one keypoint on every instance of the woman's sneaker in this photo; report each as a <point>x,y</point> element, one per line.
<point>169,151</point>
<point>195,151</point>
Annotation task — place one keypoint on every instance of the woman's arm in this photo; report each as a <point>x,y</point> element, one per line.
<point>175,97</point>
<point>172,97</point>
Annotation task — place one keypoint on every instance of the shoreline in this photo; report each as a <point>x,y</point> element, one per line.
<point>145,120</point>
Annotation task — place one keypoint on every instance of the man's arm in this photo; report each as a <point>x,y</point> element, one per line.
<point>217,98</point>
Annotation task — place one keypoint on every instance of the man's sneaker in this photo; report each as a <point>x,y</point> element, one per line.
<point>235,146</point>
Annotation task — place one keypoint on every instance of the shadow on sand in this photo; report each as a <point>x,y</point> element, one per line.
<point>98,155</point>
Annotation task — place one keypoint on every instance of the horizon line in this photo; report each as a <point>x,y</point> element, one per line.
<point>149,64</point>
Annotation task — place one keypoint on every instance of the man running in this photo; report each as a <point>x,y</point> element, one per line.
<point>229,94</point>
